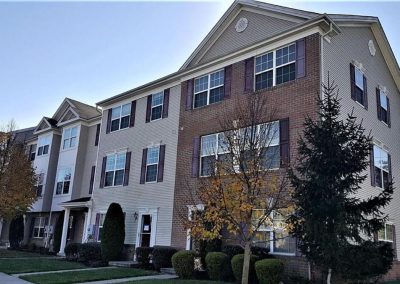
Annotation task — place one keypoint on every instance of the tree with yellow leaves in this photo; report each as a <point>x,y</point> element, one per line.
<point>245,185</point>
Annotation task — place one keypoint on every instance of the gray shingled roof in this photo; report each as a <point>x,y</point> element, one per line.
<point>83,110</point>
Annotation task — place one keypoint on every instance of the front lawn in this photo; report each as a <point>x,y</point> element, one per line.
<point>177,281</point>
<point>86,275</point>
<point>14,266</point>
<point>5,253</point>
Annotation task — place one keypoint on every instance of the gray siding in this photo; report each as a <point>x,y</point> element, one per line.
<point>135,195</point>
<point>352,44</point>
<point>260,27</point>
<point>51,172</point>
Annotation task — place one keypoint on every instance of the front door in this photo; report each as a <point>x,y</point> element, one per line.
<point>145,231</point>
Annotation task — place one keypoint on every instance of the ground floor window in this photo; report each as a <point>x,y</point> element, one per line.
<point>38,227</point>
<point>386,233</point>
<point>101,223</point>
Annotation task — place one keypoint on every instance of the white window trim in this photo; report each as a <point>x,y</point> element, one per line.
<point>152,107</point>
<point>120,117</point>
<point>115,154</point>
<point>209,88</point>
<point>386,238</point>
<point>274,66</point>
<point>70,182</point>
<point>191,209</point>
<point>39,145</point>
<point>154,217</point>
<point>148,164</point>
<point>379,167</point>
<point>383,91</point>
<point>69,139</point>
<point>43,184</point>
<point>41,225</point>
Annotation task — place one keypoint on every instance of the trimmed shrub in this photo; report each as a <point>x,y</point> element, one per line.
<point>16,234</point>
<point>206,246</point>
<point>58,232</point>
<point>269,271</point>
<point>72,251</point>
<point>89,252</point>
<point>218,266</point>
<point>232,250</point>
<point>113,233</point>
<point>237,267</point>
<point>162,255</point>
<point>143,255</point>
<point>183,263</point>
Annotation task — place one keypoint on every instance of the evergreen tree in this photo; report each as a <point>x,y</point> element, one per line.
<point>113,233</point>
<point>330,219</point>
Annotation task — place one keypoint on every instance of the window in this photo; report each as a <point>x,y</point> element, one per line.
<point>38,227</point>
<point>39,186</point>
<point>209,89</point>
<point>157,101</point>
<point>102,216</point>
<point>69,137</point>
<point>386,234</point>
<point>32,152</point>
<point>43,145</point>
<point>275,67</point>
<point>153,156</point>
<point>120,117</point>
<point>381,167</point>
<point>272,234</point>
<point>383,111</point>
<point>359,86</point>
<point>63,181</point>
<point>215,147</point>
<point>115,168</point>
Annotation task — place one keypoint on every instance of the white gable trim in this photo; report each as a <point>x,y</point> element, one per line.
<point>43,120</point>
<point>70,120</point>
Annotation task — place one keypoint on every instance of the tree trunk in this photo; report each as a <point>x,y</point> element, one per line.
<point>246,263</point>
<point>328,279</point>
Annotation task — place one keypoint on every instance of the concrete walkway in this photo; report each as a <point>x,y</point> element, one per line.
<point>60,271</point>
<point>7,279</point>
<point>121,280</point>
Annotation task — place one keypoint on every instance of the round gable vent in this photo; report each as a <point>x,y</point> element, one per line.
<point>241,25</point>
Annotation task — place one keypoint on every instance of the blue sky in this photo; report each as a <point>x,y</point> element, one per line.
<point>93,50</point>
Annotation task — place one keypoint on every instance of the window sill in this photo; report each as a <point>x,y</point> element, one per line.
<point>209,105</point>
<point>384,123</point>
<point>152,120</point>
<point>62,195</point>
<point>68,149</point>
<point>151,182</point>
<point>113,186</point>
<point>118,130</point>
<point>284,253</point>
<point>272,88</point>
<point>40,156</point>
<point>359,104</point>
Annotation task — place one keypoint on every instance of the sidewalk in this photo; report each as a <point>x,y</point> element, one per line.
<point>7,279</point>
<point>122,280</point>
<point>59,271</point>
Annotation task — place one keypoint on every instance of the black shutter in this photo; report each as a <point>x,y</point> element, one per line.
<point>160,174</point>
<point>32,226</point>
<point>365,92</point>
<point>165,104</point>
<point>143,169</point>
<point>103,172</point>
<point>284,141</point>
<point>108,129</point>
<point>227,81</point>
<point>127,168</point>
<point>249,75</point>
<point>389,122</point>
<point>133,113</point>
<point>188,92</point>
<point>96,140</point>
<point>91,184</point>
<point>378,103</point>
<point>300,58</point>
<point>352,81</point>
<point>371,165</point>
<point>148,108</point>
<point>196,156</point>
<point>390,167</point>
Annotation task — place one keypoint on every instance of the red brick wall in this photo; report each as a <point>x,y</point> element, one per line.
<point>294,100</point>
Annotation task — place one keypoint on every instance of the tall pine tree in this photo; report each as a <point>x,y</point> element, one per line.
<point>330,219</point>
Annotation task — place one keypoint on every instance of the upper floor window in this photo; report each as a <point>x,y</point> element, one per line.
<point>43,145</point>
<point>386,233</point>
<point>70,137</point>
<point>115,168</point>
<point>63,181</point>
<point>383,107</point>
<point>38,227</point>
<point>157,101</point>
<point>153,155</point>
<point>32,152</point>
<point>358,85</point>
<point>209,89</point>
<point>275,67</point>
<point>40,184</point>
<point>120,117</point>
<point>381,167</point>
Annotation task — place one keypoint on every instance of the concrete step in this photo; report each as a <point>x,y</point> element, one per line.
<point>169,270</point>
<point>129,264</point>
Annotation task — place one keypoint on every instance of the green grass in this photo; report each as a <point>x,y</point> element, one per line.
<point>5,253</point>
<point>88,275</point>
<point>177,281</point>
<point>13,266</point>
<point>393,282</point>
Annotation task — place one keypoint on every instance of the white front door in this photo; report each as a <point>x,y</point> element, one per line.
<point>147,228</point>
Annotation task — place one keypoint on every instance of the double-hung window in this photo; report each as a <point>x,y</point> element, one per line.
<point>40,184</point>
<point>115,169</point>
<point>120,117</point>
<point>157,102</point>
<point>272,233</point>
<point>381,167</point>
<point>213,147</point>
<point>359,85</point>
<point>153,157</point>
<point>69,137</point>
<point>63,181</point>
<point>386,233</point>
<point>43,145</point>
<point>209,89</point>
<point>275,67</point>
<point>32,152</point>
<point>102,216</point>
<point>383,106</point>
<point>38,227</point>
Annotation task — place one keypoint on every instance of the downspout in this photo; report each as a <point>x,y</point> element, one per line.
<point>322,54</point>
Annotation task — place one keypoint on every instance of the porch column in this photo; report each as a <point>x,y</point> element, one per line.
<point>88,217</point>
<point>64,231</point>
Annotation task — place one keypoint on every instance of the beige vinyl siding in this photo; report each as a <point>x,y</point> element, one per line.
<point>352,44</point>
